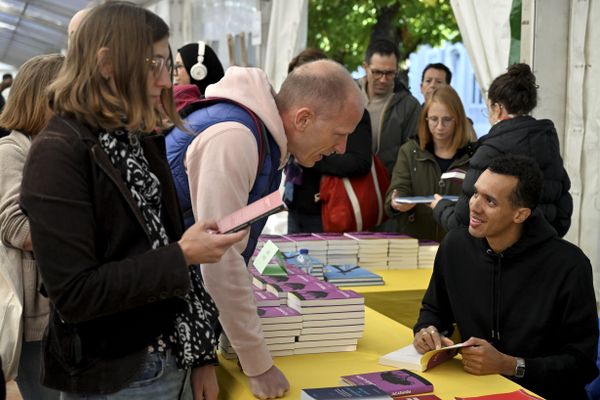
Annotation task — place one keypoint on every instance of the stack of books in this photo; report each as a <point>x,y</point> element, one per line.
<point>265,299</point>
<point>351,275</point>
<point>281,285</point>
<point>316,247</point>
<point>403,252</point>
<point>283,244</point>
<point>372,249</point>
<point>333,319</point>
<point>340,249</point>
<point>427,251</point>
<point>281,326</point>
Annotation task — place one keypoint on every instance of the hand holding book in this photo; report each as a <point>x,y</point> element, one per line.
<point>430,338</point>
<point>398,206</point>
<point>200,244</point>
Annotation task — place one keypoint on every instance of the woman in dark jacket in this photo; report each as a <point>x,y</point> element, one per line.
<point>512,96</point>
<point>443,146</point>
<point>129,318</point>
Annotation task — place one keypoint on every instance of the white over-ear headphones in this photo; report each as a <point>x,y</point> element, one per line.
<point>198,70</point>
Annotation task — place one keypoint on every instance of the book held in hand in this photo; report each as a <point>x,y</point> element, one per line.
<point>369,392</point>
<point>253,212</point>
<point>395,382</point>
<point>421,199</point>
<point>408,357</point>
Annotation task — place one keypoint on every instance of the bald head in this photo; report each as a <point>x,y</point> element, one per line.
<point>323,85</point>
<point>76,21</point>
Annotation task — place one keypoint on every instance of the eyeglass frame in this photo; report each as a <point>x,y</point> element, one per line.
<point>157,64</point>
<point>435,121</point>
<point>377,74</point>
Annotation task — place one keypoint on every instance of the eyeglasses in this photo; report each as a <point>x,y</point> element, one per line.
<point>377,74</point>
<point>434,121</point>
<point>158,63</point>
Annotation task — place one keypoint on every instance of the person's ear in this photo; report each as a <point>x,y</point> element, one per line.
<point>104,63</point>
<point>521,215</point>
<point>303,118</point>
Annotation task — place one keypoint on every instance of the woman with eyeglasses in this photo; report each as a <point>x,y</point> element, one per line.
<point>442,146</point>
<point>511,98</point>
<point>129,317</point>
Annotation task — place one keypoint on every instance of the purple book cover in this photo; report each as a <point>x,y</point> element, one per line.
<point>273,238</point>
<point>293,285</point>
<point>274,312</point>
<point>263,295</point>
<point>331,236</point>
<point>365,235</point>
<point>327,294</point>
<point>301,237</point>
<point>396,382</point>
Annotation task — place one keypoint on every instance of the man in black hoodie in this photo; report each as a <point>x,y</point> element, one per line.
<point>520,295</point>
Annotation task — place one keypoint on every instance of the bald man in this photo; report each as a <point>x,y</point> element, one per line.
<point>215,170</point>
<point>76,21</point>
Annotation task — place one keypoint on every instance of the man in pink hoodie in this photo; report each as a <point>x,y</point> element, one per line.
<point>317,108</point>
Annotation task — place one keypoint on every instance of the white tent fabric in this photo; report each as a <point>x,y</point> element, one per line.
<point>582,130</point>
<point>485,28</point>
<point>288,30</point>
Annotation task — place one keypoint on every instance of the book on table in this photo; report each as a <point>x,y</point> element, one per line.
<point>516,395</point>
<point>395,382</point>
<point>253,212</point>
<point>325,297</point>
<point>421,199</point>
<point>350,274</point>
<point>408,357</point>
<point>369,392</point>
<point>265,299</point>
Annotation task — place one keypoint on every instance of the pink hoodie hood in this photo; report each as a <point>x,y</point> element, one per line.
<point>251,87</point>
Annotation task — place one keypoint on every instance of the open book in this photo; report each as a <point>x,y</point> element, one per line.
<point>243,217</point>
<point>408,357</point>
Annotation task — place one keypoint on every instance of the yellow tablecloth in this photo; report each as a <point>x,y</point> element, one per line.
<point>397,280</point>
<point>382,335</point>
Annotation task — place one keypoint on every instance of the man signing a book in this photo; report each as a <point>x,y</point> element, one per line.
<point>521,297</point>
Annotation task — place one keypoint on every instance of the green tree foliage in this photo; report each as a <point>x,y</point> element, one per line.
<point>344,28</point>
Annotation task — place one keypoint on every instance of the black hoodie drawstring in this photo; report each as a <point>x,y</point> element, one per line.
<point>496,293</point>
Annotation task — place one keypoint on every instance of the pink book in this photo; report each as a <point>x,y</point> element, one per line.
<point>253,212</point>
<point>395,383</point>
<point>299,285</point>
<point>265,299</point>
<point>516,395</point>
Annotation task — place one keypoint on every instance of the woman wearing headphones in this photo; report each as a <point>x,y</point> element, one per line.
<point>197,64</point>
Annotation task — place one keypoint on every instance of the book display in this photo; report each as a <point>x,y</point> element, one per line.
<point>427,251</point>
<point>372,249</point>
<point>403,251</point>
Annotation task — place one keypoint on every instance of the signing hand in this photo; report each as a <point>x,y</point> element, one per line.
<point>482,358</point>
<point>400,206</point>
<point>430,339</point>
<point>436,200</point>
<point>201,245</point>
<point>269,385</point>
<point>204,383</point>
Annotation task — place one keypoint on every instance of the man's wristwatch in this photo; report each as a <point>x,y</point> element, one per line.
<point>519,368</point>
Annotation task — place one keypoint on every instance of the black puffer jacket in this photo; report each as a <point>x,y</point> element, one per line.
<point>526,136</point>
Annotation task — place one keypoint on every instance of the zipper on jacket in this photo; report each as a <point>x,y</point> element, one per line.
<point>496,293</point>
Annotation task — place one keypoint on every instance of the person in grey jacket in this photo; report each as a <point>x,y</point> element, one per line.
<point>443,145</point>
<point>511,97</point>
<point>393,110</point>
<point>25,115</point>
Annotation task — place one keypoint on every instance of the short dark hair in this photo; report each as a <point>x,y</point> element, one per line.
<point>307,55</point>
<point>441,67</point>
<point>7,76</point>
<point>516,89</point>
<point>529,175</point>
<point>385,47</point>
